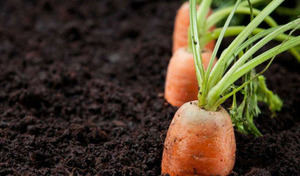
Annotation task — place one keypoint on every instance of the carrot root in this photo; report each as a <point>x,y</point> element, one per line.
<point>199,142</point>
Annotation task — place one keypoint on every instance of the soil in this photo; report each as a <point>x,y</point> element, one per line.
<point>81,92</point>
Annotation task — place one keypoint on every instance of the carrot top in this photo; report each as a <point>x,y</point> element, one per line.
<point>204,25</point>
<point>217,83</point>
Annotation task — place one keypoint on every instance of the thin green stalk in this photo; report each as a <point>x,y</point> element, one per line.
<point>201,18</point>
<point>213,98</point>
<point>201,15</point>
<point>223,13</point>
<point>196,43</point>
<point>223,84</point>
<point>218,69</point>
<point>251,10</point>
<point>235,30</point>
<point>227,79</point>
<point>222,32</point>
<point>204,93</point>
<point>288,11</point>
<point>295,53</point>
<point>245,3</point>
<point>249,42</point>
<point>202,24</point>
<point>254,38</point>
<point>265,56</point>
<point>225,97</point>
<point>219,15</point>
<point>196,47</point>
<point>246,83</point>
<point>242,4</point>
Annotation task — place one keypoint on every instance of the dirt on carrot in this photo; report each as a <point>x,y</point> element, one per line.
<point>199,142</point>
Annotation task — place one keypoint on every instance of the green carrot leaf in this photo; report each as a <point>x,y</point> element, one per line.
<point>267,96</point>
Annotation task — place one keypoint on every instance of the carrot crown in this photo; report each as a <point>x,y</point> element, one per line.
<point>217,83</point>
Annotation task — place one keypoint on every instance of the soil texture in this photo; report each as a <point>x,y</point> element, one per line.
<point>81,92</point>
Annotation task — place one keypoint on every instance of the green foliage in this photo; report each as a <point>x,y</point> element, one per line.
<point>267,96</point>
<point>256,91</point>
<point>219,4</point>
<point>236,62</point>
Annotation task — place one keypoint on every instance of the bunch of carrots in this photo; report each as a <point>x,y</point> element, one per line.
<point>200,139</point>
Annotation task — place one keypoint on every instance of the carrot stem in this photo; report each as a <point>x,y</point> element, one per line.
<point>202,14</point>
<point>218,70</point>
<point>214,54</point>
<point>235,30</point>
<point>255,48</point>
<point>195,42</point>
<point>221,14</point>
<point>265,56</point>
<point>216,92</point>
<point>245,3</point>
<point>289,11</point>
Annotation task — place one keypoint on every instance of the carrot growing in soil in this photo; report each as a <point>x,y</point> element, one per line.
<point>181,85</point>
<point>200,139</point>
<point>181,27</point>
<point>181,82</point>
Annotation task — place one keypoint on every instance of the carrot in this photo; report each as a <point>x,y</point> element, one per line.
<point>199,142</point>
<point>181,27</point>
<point>181,82</point>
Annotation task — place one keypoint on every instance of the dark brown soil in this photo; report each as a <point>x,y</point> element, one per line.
<point>81,92</point>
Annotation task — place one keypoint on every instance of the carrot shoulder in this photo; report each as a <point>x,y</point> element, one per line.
<point>199,142</point>
<point>181,27</point>
<point>181,82</point>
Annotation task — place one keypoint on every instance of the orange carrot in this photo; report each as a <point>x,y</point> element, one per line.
<point>199,142</point>
<point>181,26</point>
<point>200,139</point>
<point>181,82</point>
